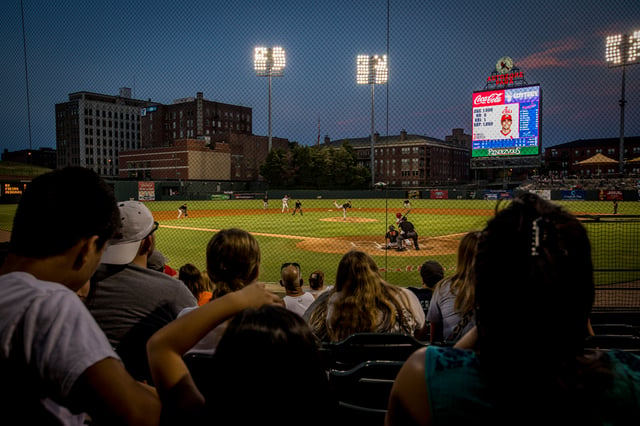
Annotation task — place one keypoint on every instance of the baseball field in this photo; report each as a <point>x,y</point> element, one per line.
<point>320,236</point>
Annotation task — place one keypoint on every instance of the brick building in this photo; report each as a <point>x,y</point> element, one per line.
<point>188,159</point>
<point>407,160</point>
<point>561,160</point>
<point>192,118</point>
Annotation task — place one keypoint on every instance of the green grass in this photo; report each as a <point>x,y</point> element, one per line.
<point>182,246</point>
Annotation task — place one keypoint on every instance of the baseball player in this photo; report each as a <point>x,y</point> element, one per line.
<point>391,238</point>
<point>265,202</point>
<point>344,208</point>
<point>182,210</point>
<point>285,203</point>
<point>297,207</point>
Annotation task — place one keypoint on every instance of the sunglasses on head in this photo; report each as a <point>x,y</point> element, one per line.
<point>154,229</point>
<point>284,265</point>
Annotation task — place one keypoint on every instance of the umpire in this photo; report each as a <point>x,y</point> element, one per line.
<point>407,230</point>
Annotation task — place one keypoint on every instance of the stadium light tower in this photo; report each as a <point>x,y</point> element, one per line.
<point>372,70</point>
<point>621,51</point>
<point>269,62</point>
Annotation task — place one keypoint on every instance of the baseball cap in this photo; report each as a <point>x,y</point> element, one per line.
<point>506,117</point>
<point>398,215</point>
<point>136,222</point>
<point>431,272</point>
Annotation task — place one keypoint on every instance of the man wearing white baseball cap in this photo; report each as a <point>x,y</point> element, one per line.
<point>130,301</point>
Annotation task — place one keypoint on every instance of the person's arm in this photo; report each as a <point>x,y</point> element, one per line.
<point>112,397</point>
<point>469,340</point>
<point>167,346</point>
<point>409,398</point>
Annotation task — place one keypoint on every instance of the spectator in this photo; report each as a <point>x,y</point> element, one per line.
<point>197,282</point>
<point>316,283</point>
<point>431,272</point>
<point>362,301</point>
<point>531,366</point>
<point>296,299</point>
<point>233,261</point>
<point>158,262</point>
<point>266,350</point>
<point>84,291</point>
<point>130,302</point>
<point>450,312</point>
<point>56,363</point>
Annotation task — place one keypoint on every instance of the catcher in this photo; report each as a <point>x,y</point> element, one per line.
<point>391,238</point>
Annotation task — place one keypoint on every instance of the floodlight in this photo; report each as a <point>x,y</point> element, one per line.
<point>372,70</point>
<point>622,50</point>
<point>269,62</point>
<point>612,52</point>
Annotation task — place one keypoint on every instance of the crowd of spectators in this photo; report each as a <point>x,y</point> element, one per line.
<point>585,183</point>
<point>92,332</point>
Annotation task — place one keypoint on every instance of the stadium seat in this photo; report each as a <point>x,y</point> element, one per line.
<point>199,365</point>
<point>613,341</point>
<point>363,392</point>
<point>360,347</point>
<point>618,329</point>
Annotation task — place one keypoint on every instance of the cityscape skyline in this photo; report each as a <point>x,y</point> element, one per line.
<point>439,54</point>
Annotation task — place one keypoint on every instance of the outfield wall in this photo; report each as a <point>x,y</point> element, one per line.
<point>10,192</point>
<point>191,190</point>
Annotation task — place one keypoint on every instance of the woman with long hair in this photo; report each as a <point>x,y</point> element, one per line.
<point>533,298</point>
<point>233,261</point>
<point>450,313</point>
<point>361,301</point>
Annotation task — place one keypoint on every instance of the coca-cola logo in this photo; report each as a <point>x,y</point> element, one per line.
<point>493,98</point>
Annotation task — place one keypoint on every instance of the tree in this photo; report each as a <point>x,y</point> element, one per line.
<point>314,168</point>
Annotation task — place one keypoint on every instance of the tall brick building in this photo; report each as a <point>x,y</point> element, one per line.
<point>192,118</point>
<point>407,160</point>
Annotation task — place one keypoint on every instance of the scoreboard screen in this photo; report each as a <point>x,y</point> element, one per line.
<point>506,122</point>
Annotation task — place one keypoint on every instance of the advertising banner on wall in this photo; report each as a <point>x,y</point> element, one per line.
<point>439,195</point>
<point>573,194</point>
<point>146,191</point>
<point>498,195</point>
<point>610,195</point>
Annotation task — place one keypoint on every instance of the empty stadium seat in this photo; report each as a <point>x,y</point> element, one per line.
<point>363,391</point>
<point>613,341</point>
<point>360,347</point>
<point>619,329</point>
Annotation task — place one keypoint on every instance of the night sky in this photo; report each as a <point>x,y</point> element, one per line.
<point>439,54</point>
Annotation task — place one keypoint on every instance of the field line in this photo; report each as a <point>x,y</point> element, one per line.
<point>262,234</point>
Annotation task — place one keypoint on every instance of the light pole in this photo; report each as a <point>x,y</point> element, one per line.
<point>622,50</point>
<point>269,62</point>
<point>372,70</point>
